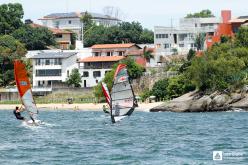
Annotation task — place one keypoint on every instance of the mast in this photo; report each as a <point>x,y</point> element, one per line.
<point>24,87</point>
<point>122,95</point>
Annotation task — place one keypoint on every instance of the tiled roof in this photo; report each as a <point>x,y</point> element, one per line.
<point>111,46</point>
<point>102,59</point>
<point>237,20</point>
<point>53,30</point>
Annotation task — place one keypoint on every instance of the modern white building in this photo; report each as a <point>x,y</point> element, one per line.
<point>52,68</point>
<point>71,21</point>
<point>182,38</point>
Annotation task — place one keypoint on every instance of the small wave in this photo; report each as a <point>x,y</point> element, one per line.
<point>236,110</point>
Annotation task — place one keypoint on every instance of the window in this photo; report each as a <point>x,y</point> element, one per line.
<point>96,74</point>
<point>37,62</point>
<point>48,72</point>
<point>166,46</point>
<point>47,62</point>
<point>85,74</point>
<point>97,81</point>
<point>97,54</point>
<point>181,45</point>
<point>69,22</point>
<point>59,36</point>
<point>109,53</point>
<point>121,53</point>
<point>161,35</point>
<point>68,73</point>
<point>56,24</point>
<point>57,61</point>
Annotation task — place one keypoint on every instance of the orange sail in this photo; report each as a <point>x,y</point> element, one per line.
<point>24,87</point>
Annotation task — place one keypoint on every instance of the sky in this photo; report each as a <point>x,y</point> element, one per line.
<point>149,13</point>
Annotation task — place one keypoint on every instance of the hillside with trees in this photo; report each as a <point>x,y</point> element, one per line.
<point>124,32</point>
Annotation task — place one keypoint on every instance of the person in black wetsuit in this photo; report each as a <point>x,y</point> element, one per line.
<point>17,113</point>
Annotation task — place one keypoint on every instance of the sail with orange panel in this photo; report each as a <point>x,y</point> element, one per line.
<point>24,87</point>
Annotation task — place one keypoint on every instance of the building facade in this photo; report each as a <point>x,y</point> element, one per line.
<point>169,40</point>
<point>93,69</point>
<point>104,56</point>
<point>71,21</point>
<point>51,69</point>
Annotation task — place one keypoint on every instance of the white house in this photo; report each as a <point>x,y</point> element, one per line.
<point>71,21</point>
<point>52,68</point>
<point>93,69</point>
<point>104,56</point>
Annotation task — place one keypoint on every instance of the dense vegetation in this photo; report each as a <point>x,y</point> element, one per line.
<point>123,32</point>
<point>202,14</point>
<point>223,66</point>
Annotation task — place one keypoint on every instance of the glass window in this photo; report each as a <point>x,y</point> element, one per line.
<point>48,72</point>
<point>181,45</point>
<point>96,74</point>
<point>85,74</point>
<point>69,22</point>
<point>47,62</point>
<point>166,46</point>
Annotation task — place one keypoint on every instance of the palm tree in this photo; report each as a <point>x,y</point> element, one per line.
<point>147,54</point>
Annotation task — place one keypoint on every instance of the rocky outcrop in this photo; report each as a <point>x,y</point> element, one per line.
<point>198,102</point>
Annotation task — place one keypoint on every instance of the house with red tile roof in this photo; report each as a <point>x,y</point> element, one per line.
<point>104,56</point>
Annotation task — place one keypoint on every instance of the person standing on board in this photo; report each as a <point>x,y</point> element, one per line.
<point>17,113</point>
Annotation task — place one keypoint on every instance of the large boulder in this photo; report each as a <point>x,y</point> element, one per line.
<point>220,100</point>
<point>200,105</point>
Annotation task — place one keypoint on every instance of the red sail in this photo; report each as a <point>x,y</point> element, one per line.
<point>24,86</point>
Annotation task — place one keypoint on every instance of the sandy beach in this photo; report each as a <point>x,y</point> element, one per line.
<point>90,106</point>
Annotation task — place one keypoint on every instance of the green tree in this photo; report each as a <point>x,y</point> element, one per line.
<point>190,55</point>
<point>10,17</point>
<point>217,69</point>
<point>241,38</point>
<point>10,50</point>
<point>124,32</point>
<point>159,89</point>
<point>74,78</point>
<point>202,14</point>
<point>178,86</point>
<point>147,36</point>
<point>34,38</point>
<point>147,54</point>
<point>87,21</point>
<point>199,41</point>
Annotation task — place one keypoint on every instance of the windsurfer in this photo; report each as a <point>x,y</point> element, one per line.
<point>105,109</point>
<point>17,113</point>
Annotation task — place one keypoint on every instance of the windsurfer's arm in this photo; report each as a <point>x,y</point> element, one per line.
<point>22,108</point>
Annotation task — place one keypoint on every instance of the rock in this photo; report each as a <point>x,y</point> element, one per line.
<point>220,100</point>
<point>200,105</point>
<point>206,103</point>
<point>235,97</point>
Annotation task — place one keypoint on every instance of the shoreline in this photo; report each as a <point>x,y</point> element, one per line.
<point>144,107</point>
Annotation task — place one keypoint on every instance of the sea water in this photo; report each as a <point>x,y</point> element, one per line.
<point>86,137</point>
